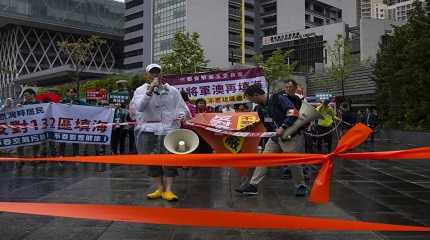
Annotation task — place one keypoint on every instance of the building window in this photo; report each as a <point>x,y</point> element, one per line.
<point>318,21</point>
<point>133,53</point>
<point>169,18</point>
<point>134,65</point>
<point>134,28</point>
<point>133,3</point>
<point>165,44</point>
<point>133,41</point>
<point>134,16</point>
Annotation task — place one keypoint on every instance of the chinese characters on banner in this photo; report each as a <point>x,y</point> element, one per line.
<point>214,125</point>
<point>35,124</point>
<point>119,97</point>
<point>219,88</point>
<point>97,95</point>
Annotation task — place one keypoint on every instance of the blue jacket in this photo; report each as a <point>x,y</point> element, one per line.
<point>279,106</point>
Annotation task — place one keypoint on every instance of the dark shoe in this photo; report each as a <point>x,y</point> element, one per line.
<point>286,174</point>
<point>301,191</point>
<point>248,189</point>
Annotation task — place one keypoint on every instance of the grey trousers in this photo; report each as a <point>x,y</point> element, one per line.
<point>296,144</point>
<point>149,143</point>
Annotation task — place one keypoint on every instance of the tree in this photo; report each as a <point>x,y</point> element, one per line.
<point>275,68</point>
<point>341,61</point>
<point>402,74</point>
<point>80,52</point>
<point>187,55</point>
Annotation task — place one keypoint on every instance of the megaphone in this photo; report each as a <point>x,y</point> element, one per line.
<point>181,141</point>
<point>307,114</point>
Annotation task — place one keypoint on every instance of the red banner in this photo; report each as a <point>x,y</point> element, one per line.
<point>97,95</point>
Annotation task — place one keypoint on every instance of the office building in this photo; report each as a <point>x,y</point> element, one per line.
<point>231,31</point>
<point>151,25</point>
<point>29,35</point>
<point>395,10</point>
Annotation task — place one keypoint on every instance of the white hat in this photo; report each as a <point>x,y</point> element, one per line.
<point>151,66</point>
<point>121,81</point>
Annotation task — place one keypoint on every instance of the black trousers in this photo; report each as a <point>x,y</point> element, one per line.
<point>75,149</point>
<point>131,141</point>
<point>327,138</point>
<point>118,138</point>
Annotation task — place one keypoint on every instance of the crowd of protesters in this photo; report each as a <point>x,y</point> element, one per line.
<point>277,112</point>
<point>123,137</point>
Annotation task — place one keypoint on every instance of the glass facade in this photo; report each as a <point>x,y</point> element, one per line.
<point>93,15</point>
<point>169,18</point>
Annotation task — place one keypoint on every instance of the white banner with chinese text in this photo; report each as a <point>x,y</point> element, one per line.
<point>219,88</point>
<point>35,124</point>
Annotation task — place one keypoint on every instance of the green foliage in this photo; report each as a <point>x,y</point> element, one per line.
<point>275,67</point>
<point>109,82</point>
<point>402,74</point>
<point>341,61</point>
<point>187,55</point>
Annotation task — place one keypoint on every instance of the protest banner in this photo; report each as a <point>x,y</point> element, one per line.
<point>218,88</point>
<point>24,125</point>
<point>211,127</point>
<point>119,97</point>
<point>35,124</point>
<point>96,95</point>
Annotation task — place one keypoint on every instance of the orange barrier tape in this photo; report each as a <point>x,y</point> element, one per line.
<point>224,219</point>
<point>415,153</point>
<point>192,160</point>
<point>321,187</point>
<point>199,218</point>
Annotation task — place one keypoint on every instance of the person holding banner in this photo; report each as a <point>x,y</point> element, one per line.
<point>70,99</point>
<point>158,109</point>
<point>119,130</point>
<point>282,110</point>
<point>190,105</point>
<point>8,104</point>
<point>29,99</point>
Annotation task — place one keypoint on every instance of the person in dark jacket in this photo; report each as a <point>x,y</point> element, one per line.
<point>371,120</point>
<point>119,130</point>
<point>71,98</point>
<point>29,98</point>
<point>282,110</point>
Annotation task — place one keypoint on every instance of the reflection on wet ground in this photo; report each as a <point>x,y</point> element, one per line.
<point>395,192</point>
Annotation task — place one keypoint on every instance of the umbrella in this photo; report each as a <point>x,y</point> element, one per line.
<point>48,97</point>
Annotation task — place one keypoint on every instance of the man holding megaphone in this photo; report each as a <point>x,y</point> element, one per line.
<point>158,109</point>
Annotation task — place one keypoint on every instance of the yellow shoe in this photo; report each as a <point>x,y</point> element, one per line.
<point>169,196</point>
<point>155,195</point>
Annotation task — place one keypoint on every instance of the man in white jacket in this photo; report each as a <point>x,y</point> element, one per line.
<point>158,109</point>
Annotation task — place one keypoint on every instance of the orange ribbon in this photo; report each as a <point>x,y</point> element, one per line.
<point>223,219</point>
<point>198,218</point>
<point>321,187</point>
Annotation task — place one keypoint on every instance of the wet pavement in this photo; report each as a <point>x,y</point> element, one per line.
<point>394,192</point>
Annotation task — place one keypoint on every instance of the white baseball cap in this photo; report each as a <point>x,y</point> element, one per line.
<point>121,81</point>
<point>152,66</point>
